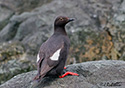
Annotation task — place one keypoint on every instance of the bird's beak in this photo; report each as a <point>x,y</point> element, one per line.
<point>71,19</point>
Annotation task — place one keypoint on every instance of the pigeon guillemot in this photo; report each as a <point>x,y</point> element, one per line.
<point>53,53</point>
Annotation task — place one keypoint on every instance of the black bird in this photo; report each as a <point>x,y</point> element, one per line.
<point>53,53</point>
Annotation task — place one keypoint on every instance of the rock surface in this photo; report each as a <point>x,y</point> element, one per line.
<point>98,33</point>
<point>13,61</point>
<point>94,74</point>
<point>19,6</point>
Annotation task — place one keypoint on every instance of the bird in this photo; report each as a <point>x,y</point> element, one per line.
<point>53,53</point>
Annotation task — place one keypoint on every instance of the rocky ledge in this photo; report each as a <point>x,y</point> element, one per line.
<point>94,74</point>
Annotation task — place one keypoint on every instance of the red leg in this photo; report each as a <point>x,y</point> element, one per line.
<point>68,73</point>
<point>64,67</point>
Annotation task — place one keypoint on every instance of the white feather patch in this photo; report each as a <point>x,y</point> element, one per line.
<point>38,58</point>
<point>55,56</point>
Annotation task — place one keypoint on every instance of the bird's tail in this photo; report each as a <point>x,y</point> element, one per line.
<point>38,77</point>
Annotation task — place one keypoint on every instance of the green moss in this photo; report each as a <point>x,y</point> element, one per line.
<point>11,51</point>
<point>3,24</point>
<point>12,68</point>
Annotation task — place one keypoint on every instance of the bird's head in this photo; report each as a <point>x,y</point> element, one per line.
<point>62,21</point>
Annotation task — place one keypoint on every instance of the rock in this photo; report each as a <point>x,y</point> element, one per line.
<point>96,34</point>
<point>9,31</point>
<point>94,74</point>
<point>14,60</point>
<point>12,68</point>
<point>116,29</point>
<point>11,50</point>
<point>22,5</point>
<point>5,14</point>
<point>33,28</point>
<point>7,8</point>
<point>122,7</point>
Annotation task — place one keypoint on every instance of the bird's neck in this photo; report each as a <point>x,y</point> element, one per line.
<point>60,30</point>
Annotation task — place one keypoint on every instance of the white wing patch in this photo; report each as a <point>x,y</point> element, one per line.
<point>55,56</point>
<point>38,58</point>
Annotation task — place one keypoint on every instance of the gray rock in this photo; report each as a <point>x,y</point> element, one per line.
<point>12,68</point>
<point>122,7</point>
<point>36,26</point>
<point>5,14</point>
<point>14,60</point>
<point>94,74</point>
<point>31,26</point>
<point>9,31</point>
<point>19,6</point>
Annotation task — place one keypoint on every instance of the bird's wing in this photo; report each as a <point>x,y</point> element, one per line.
<point>54,57</point>
<point>50,59</point>
<point>40,58</point>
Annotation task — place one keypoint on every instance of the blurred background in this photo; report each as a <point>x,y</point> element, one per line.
<point>98,32</point>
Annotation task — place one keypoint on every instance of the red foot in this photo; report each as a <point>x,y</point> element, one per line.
<point>64,67</point>
<point>68,73</point>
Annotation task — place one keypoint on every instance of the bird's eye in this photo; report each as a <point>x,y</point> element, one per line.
<point>61,19</point>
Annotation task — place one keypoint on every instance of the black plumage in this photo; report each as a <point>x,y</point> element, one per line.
<point>57,43</point>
